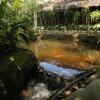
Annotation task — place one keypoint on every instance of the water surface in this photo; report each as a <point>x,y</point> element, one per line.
<point>63,72</point>
<point>65,54</point>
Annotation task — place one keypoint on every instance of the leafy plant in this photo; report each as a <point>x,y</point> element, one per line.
<point>95,16</point>
<point>13,29</point>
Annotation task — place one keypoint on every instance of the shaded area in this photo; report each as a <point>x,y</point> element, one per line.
<point>16,70</point>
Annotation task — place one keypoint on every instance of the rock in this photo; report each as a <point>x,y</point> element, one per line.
<point>40,92</point>
<point>92,92</point>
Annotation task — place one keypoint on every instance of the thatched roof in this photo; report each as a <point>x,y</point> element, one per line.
<point>66,4</point>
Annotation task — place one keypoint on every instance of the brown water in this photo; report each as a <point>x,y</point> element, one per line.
<point>65,54</point>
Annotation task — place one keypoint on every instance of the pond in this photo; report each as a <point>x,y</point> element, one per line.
<point>63,58</point>
<point>65,54</point>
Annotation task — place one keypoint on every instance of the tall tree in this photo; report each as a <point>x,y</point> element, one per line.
<point>35,9</point>
<point>32,7</point>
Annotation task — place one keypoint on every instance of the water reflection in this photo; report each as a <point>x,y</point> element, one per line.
<point>67,54</point>
<point>67,73</point>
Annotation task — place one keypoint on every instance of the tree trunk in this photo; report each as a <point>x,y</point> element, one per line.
<point>35,20</point>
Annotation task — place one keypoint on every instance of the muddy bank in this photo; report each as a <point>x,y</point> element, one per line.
<point>91,39</point>
<point>52,36</point>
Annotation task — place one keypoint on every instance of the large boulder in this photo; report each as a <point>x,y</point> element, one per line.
<point>92,92</point>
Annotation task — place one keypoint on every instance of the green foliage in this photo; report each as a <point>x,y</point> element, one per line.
<point>30,9</point>
<point>72,27</point>
<point>95,16</point>
<point>13,33</point>
<point>16,5</point>
<point>29,6</point>
<point>97,26</point>
<point>10,34</point>
<point>13,26</point>
<point>4,9</point>
<point>34,4</point>
<point>76,16</point>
